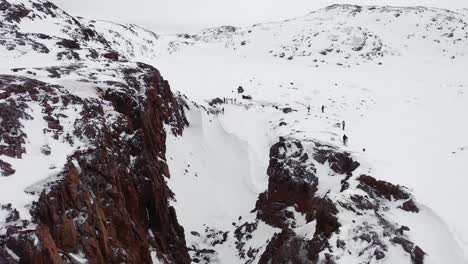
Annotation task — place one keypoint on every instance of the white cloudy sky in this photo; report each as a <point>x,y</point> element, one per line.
<point>191,15</point>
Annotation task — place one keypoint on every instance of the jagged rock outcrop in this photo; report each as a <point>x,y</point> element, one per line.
<point>111,203</point>
<point>92,129</point>
<point>295,195</point>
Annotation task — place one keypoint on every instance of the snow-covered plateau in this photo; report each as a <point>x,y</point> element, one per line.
<point>243,158</point>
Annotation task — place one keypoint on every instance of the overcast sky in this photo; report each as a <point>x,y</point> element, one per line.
<point>170,16</point>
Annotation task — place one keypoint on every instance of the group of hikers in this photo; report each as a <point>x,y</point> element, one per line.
<point>227,101</point>
<point>343,124</point>
<point>308,109</point>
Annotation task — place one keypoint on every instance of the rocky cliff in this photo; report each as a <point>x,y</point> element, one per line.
<point>111,200</point>
<point>102,195</point>
<point>294,195</point>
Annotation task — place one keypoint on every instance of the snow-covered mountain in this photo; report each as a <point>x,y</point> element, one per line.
<point>101,163</point>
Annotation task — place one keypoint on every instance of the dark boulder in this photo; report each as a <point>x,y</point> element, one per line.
<point>410,206</point>
<point>287,110</point>
<point>6,169</point>
<point>69,44</point>
<point>381,188</point>
<point>114,56</point>
<point>216,101</point>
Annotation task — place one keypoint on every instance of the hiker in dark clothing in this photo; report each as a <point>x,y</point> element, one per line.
<point>308,109</point>
<point>343,124</point>
<point>345,140</point>
<point>223,110</point>
<point>323,108</point>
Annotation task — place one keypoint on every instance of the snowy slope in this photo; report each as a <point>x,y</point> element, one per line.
<point>396,75</point>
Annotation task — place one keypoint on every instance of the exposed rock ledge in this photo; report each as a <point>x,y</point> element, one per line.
<point>111,202</point>
<point>354,212</point>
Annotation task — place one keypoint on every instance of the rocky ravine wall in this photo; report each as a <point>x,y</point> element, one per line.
<point>350,218</point>
<point>111,203</point>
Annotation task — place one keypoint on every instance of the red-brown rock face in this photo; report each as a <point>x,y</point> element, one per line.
<point>111,205</point>
<point>106,201</point>
<point>294,189</point>
<point>293,183</point>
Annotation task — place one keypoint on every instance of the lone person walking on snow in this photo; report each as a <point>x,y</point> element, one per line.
<point>323,108</point>
<point>343,124</point>
<point>308,109</point>
<point>345,139</point>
